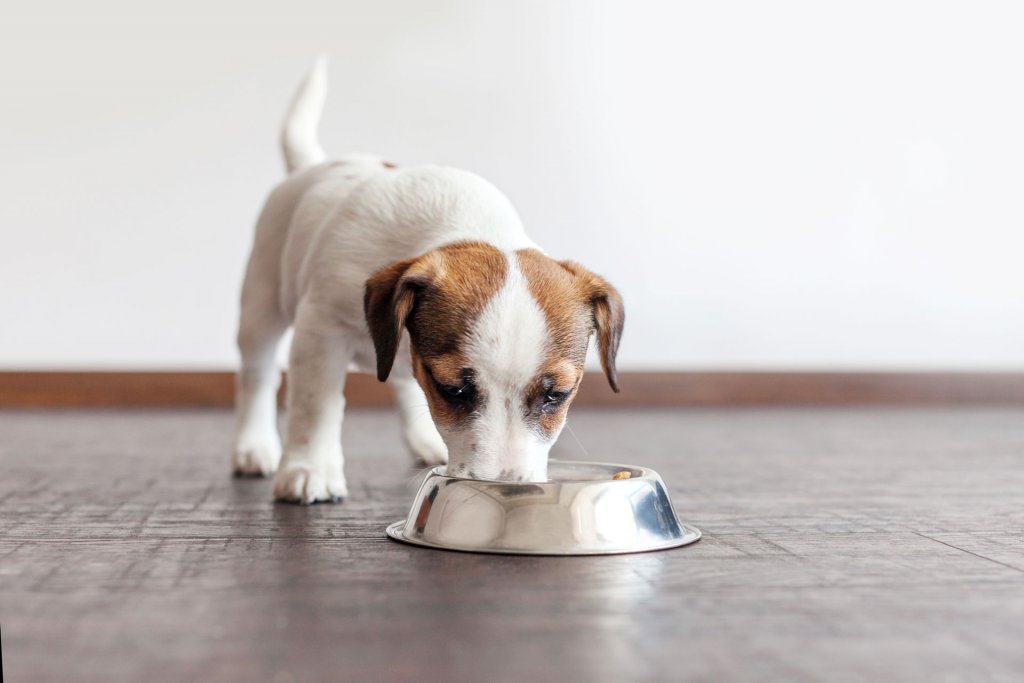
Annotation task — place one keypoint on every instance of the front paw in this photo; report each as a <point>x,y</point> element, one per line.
<point>425,443</point>
<point>306,483</point>
<point>256,455</point>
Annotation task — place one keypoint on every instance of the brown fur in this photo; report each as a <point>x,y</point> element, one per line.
<point>435,296</point>
<point>555,375</point>
<point>575,302</point>
<point>443,412</point>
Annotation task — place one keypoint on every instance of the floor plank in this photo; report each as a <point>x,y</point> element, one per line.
<point>840,544</point>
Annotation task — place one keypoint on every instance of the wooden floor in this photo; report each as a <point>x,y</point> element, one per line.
<point>840,545</point>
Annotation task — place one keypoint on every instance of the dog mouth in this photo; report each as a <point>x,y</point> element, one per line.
<point>506,475</point>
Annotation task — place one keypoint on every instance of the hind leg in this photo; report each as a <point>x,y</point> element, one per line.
<point>257,449</point>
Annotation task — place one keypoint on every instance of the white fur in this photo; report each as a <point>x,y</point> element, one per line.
<point>321,234</point>
<point>505,349</point>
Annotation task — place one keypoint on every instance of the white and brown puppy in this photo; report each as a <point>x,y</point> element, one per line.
<point>355,253</point>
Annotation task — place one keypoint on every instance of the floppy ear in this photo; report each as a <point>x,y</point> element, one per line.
<point>609,317</point>
<point>388,300</point>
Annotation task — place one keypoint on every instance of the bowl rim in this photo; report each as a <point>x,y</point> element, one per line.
<point>434,471</point>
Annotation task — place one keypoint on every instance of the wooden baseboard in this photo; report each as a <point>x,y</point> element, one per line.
<point>639,389</point>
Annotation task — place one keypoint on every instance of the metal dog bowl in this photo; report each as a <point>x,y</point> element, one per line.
<point>580,510</point>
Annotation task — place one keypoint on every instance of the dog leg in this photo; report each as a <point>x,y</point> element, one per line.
<point>311,470</point>
<point>257,444</point>
<point>418,428</point>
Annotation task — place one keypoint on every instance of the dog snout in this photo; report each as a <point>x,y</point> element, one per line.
<point>512,463</point>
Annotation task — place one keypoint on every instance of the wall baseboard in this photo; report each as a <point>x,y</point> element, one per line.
<point>639,389</point>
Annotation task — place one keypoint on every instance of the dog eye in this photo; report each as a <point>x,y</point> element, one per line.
<point>453,392</point>
<point>459,395</point>
<point>553,399</point>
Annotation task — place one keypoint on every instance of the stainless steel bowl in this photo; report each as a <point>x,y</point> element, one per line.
<point>580,510</point>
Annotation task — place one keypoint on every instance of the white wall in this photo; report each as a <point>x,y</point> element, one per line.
<point>793,187</point>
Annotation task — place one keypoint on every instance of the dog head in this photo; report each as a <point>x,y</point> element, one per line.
<point>498,345</point>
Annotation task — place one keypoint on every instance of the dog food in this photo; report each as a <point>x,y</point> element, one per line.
<point>624,474</point>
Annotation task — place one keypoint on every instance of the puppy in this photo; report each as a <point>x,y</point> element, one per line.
<point>356,253</point>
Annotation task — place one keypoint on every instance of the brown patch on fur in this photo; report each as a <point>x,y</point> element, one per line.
<point>448,368</point>
<point>565,306</point>
<point>567,311</point>
<point>388,164</point>
<point>388,300</point>
<point>564,374</point>
<point>436,297</point>
<point>468,276</point>
<point>609,317</point>
<point>575,302</point>
<point>443,413</point>
<point>550,422</point>
<point>445,369</point>
<point>557,375</point>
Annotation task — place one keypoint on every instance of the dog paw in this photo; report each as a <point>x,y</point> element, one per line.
<point>425,443</point>
<point>303,483</point>
<point>256,456</point>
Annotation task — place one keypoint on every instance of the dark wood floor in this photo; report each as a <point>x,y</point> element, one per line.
<point>840,545</point>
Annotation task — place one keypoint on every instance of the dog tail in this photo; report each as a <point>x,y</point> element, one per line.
<point>299,140</point>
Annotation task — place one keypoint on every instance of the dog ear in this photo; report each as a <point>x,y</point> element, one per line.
<point>609,317</point>
<point>388,301</point>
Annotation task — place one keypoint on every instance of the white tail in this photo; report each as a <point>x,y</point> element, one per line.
<point>299,136</point>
